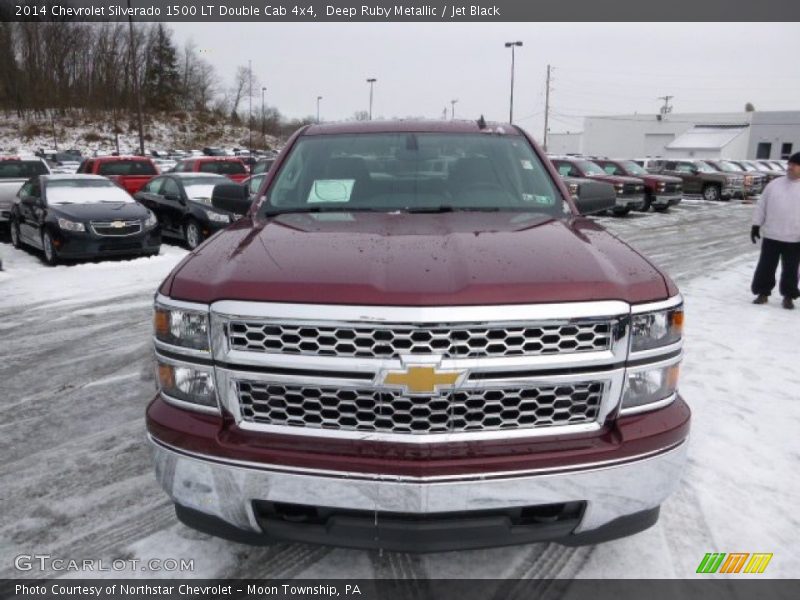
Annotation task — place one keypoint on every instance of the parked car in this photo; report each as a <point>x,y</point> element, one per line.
<point>661,191</point>
<point>752,165</point>
<point>701,178</point>
<point>81,216</point>
<point>385,354</point>
<point>630,190</point>
<point>754,181</point>
<point>774,165</point>
<point>231,167</point>
<point>263,165</point>
<point>182,204</point>
<point>129,172</point>
<point>213,151</point>
<point>14,171</point>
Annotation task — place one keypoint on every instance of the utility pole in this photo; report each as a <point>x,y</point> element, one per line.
<point>512,45</point>
<point>136,92</point>
<point>370,81</point>
<point>453,108</point>
<point>318,99</point>
<point>666,108</point>
<point>263,119</point>
<point>546,108</point>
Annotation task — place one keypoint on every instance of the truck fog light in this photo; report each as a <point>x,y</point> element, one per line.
<point>649,386</point>
<point>191,384</point>
<point>185,328</point>
<point>655,329</point>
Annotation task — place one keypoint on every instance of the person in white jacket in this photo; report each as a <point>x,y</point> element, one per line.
<point>777,217</point>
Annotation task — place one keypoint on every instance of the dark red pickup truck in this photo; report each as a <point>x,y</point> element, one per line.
<point>414,340</point>
<point>130,172</point>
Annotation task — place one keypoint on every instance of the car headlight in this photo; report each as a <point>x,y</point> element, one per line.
<point>187,383</point>
<point>179,327</point>
<point>218,217</point>
<point>657,328</point>
<point>151,221</point>
<point>573,190</point>
<point>68,225</point>
<point>649,386</point>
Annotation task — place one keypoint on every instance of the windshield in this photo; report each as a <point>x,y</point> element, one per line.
<point>728,167</point>
<point>589,168</point>
<point>21,169</point>
<point>633,168</point>
<point>203,181</point>
<point>704,167</point>
<point>756,166</point>
<point>424,172</point>
<point>85,191</point>
<point>225,167</point>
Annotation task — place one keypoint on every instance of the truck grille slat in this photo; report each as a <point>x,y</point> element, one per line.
<point>464,341</point>
<point>392,411</point>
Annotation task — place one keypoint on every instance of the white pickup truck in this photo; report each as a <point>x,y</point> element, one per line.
<point>14,171</point>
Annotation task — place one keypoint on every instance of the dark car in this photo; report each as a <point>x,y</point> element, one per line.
<point>263,165</point>
<point>630,190</point>
<point>662,191</point>
<point>182,204</point>
<point>81,216</point>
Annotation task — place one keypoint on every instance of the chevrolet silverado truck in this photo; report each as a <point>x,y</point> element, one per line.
<point>387,354</point>
<point>754,181</point>
<point>661,191</point>
<point>131,173</point>
<point>701,178</point>
<point>630,190</point>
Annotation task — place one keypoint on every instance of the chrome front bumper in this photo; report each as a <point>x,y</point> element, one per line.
<point>226,489</point>
<point>667,199</point>
<point>634,201</point>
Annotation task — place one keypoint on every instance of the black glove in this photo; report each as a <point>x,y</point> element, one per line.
<point>755,233</point>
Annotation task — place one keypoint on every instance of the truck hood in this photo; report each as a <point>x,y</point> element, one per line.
<point>415,260</point>
<point>616,178</point>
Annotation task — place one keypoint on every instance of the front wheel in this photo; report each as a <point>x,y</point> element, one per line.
<point>621,211</point>
<point>648,202</point>
<point>50,255</point>
<point>192,234</point>
<point>14,227</point>
<point>711,193</point>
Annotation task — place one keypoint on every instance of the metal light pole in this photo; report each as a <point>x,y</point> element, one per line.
<point>512,45</point>
<point>250,104</point>
<point>136,82</point>
<point>370,81</point>
<point>318,99</point>
<point>263,119</point>
<point>453,108</point>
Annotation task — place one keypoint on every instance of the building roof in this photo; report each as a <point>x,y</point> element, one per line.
<point>707,137</point>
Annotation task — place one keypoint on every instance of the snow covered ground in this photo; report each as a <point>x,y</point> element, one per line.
<point>76,479</point>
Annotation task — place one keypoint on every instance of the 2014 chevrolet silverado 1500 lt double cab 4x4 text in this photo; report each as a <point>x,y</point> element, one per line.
<point>415,341</point>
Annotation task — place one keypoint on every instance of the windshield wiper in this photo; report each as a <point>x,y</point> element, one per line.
<point>445,208</point>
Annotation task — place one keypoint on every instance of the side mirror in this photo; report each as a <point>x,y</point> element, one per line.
<point>595,197</point>
<point>231,197</point>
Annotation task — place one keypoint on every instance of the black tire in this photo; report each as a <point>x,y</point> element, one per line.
<point>50,254</point>
<point>192,234</point>
<point>13,227</point>
<point>648,202</point>
<point>711,193</point>
<point>621,211</point>
<point>661,209</point>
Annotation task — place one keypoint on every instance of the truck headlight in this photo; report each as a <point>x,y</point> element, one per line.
<point>68,225</point>
<point>218,217</point>
<point>658,328</point>
<point>180,327</point>
<point>188,383</point>
<point>649,386</point>
<point>573,190</point>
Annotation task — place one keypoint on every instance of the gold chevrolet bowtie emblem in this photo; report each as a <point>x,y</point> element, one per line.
<point>422,380</point>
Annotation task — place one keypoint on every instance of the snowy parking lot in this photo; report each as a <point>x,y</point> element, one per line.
<point>76,479</point>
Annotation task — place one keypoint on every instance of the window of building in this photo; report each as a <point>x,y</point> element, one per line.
<point>786,151</point>
<point>764,150</point>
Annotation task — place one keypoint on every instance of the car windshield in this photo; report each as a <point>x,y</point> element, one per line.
<point>704,167</point>
<point>85,191</point>
<point>729,167</point>
<point>757,167</point>
<point>415,172</point>
<point>224,167</point>
<point>21,169</point>
<point>589,168</point>
<point>127,167</point>
<point>632,167</point>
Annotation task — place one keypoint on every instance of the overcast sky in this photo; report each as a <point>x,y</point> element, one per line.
<point>600,68</point>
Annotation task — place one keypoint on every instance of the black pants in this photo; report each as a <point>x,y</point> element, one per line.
<point>771,252</point>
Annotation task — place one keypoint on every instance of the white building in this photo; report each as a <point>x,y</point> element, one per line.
<point>757,134</point>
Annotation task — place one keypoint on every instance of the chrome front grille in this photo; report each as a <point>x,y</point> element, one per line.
<point>389,411</point>
<point>116,228</point>
<point>449,341</point>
